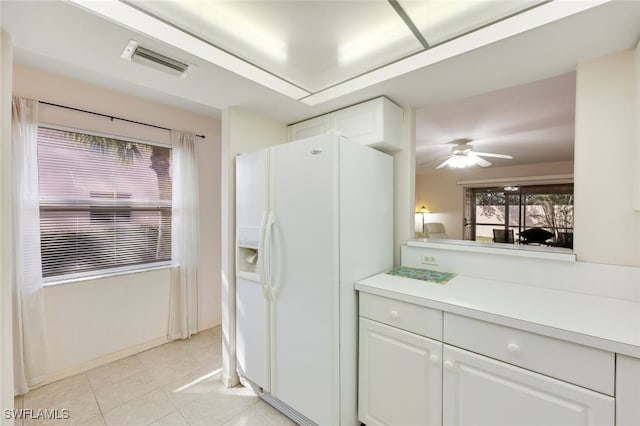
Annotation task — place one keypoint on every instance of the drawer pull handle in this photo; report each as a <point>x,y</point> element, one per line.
<point>448,365</point>
<point>513,348</point>
<point>434,359</point>
<point>394,314</point>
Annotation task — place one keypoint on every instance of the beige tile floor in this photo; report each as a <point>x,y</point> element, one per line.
<point>174,384</point>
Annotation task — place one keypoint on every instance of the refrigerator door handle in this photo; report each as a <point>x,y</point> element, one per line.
<point>262,254</point>
<point>266,262</point>
<point>275,268</point>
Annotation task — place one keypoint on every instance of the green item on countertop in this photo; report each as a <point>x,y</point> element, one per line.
<point>422,274</point>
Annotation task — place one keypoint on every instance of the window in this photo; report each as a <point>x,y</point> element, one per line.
<point>104,203</point>
<point>121,214</point>
<point>518,208</point>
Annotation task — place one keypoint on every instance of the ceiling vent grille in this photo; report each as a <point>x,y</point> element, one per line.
<point>136,53</point>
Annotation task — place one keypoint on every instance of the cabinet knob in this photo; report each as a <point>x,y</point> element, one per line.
<point>434,359</point>
<point>448,365</point>
<point>513,348</point>
<point>394,314</point>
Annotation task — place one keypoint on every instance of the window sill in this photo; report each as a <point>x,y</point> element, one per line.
<point>107,273</point>
<point>535,252</point>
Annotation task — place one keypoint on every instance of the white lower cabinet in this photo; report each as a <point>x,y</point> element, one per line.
<point>419,366</point>
<point>400,380</point>
<point>481,391</point>
<point>627,391</point>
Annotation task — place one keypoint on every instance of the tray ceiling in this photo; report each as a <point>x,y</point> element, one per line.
<point>317,51</point>
<point>318,44</point>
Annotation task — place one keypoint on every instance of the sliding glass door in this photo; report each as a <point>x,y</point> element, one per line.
<point>500,214</point>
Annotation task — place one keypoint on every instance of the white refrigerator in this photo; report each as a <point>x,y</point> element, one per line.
<point>312,217</point>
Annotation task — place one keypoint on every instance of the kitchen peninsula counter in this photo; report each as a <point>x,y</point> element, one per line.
<point>601,322</point>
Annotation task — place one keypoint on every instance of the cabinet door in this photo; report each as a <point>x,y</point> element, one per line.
<point>627,391</point>
<point>306,129</point>
<point>400,377</point>
<point>360,123</point>
<point>480,391</point>
<point>376,123</point>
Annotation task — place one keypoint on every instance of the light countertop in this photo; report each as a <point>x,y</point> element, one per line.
<point>601,322</point>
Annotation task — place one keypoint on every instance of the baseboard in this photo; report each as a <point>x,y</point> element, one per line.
<point>207,327</point>
<point>230,381</point>
<point>103,360</point>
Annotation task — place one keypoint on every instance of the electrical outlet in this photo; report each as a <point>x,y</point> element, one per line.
<point>428,260</point>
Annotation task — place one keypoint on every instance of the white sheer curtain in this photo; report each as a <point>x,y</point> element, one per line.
<point>29,331</point>
<point>183,310</point>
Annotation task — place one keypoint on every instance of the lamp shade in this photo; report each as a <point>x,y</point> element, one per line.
<point>419,223</point>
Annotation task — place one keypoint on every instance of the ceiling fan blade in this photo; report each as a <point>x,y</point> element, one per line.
<point>431,147</point>
<point>482,162</point>
<point>444,163</point>
<point>479,161</point>
<point>430,162</point>
<point>489,154</point>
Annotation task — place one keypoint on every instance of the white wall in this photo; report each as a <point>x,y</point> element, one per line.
<point>95,321</point>
<point>636,145</point>
<point>242,131</point>
<point>607,229</point>
<point>404,185</point>
<point>6,334</point>
<point>440,193</point>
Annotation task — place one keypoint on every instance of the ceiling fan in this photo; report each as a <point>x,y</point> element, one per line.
<point>462,155</point>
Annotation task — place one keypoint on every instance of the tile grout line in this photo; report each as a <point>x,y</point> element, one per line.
<point>95,397</point>
<point>206,360</point>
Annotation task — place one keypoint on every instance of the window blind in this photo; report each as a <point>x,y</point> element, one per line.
<point>104,202</point>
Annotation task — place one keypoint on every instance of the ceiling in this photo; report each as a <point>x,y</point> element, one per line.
<point>55,35</point>
<point>533,122</point>
<point>341,39</point>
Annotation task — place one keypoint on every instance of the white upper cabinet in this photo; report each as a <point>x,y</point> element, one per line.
<point>376,123</point>
<point>306,129</point>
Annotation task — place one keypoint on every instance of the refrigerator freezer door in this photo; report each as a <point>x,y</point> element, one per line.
<point>251,193</point>
<point>252,308</point>
<point>252,341</point>
<point>305,311</point>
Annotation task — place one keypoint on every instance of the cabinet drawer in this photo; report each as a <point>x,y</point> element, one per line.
<point>582,365</point>
<point>406,316</point>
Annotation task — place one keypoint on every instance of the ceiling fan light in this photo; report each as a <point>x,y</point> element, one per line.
<point>461,150</point>
<point>461,161</point>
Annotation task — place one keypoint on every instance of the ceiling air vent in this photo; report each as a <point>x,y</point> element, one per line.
<point>136,53</point>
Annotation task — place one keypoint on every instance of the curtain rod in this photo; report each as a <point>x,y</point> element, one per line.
<point>111,117</point>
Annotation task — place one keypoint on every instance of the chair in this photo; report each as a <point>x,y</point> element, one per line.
<point>565,239</point>
<point>536,236</point>
<point>435,230</point>
<point>503,236</point>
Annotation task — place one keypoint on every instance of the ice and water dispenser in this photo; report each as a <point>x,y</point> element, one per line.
<point>247,255</point>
